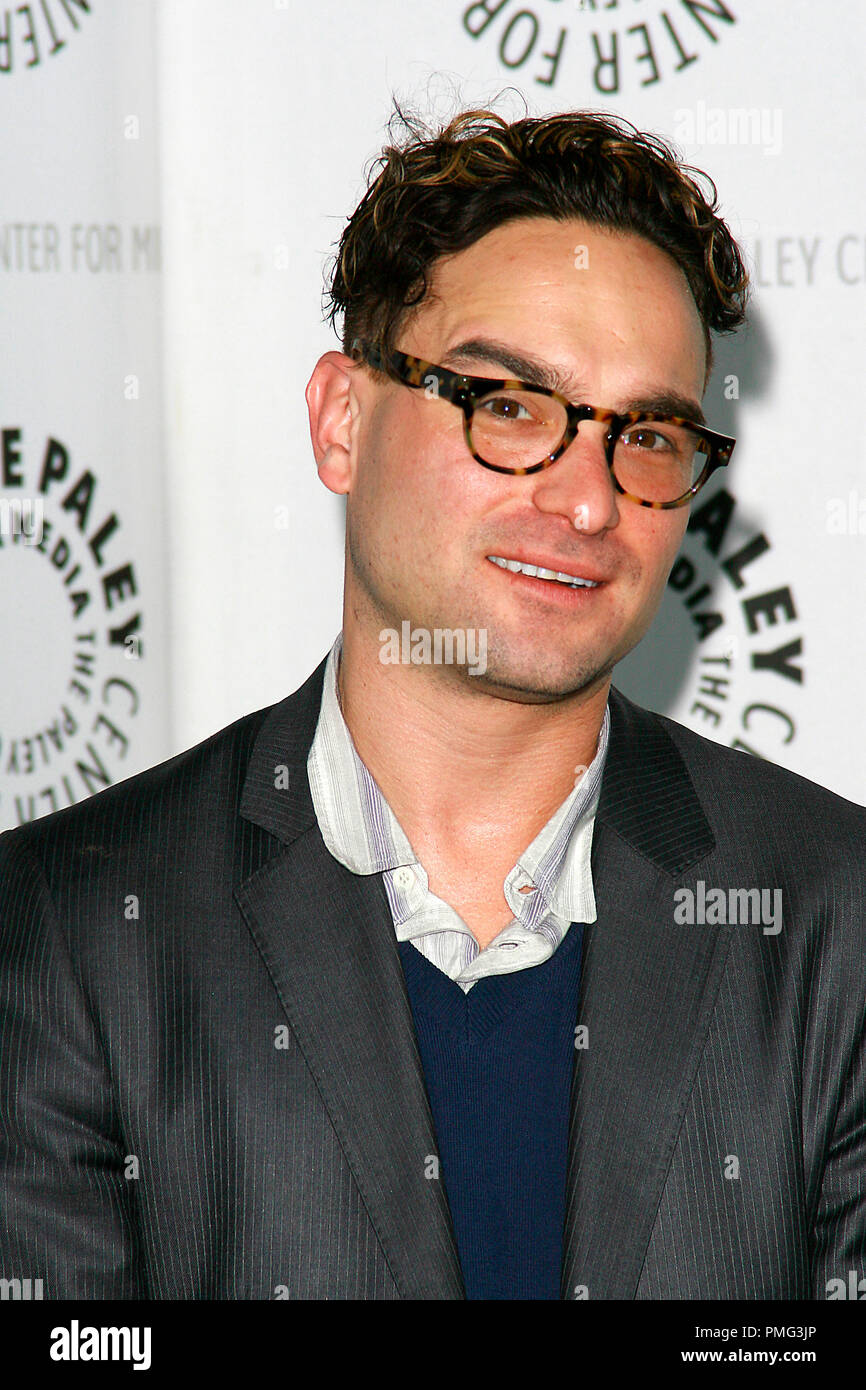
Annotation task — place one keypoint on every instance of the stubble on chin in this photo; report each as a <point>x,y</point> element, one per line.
<point>527,679</point>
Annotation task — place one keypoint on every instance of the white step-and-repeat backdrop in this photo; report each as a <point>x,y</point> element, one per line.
<point>84,566</point>
<point>175,176</point>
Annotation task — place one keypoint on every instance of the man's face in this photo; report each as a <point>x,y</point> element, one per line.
<point>617,323</point>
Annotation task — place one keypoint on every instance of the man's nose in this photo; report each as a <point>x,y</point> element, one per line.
<point>579,485</point>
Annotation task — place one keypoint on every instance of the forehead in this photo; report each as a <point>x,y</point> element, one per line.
<point>563,289</point>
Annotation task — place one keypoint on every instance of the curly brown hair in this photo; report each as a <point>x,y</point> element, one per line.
<point>437,192</point>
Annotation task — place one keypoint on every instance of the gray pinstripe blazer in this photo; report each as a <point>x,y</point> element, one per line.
<point>209,1081</point>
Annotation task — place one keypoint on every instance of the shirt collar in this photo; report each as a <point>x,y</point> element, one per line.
<point>360,829</point>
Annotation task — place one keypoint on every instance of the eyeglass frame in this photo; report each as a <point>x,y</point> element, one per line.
<point>464,392</point>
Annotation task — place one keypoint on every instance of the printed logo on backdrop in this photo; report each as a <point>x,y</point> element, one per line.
<point>84,248</point>
<point>71,629</point>
<point>807,261</point>
<point>604,46</point>
<point>730,613</point>
<point>31,34</point>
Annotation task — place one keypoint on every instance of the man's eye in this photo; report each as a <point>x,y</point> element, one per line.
<point>644,437</point>
<point>505,408</point>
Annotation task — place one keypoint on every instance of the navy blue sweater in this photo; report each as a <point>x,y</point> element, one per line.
<point>498,1063</point>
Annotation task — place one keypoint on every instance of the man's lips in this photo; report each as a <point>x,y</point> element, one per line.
<point>564,573</point>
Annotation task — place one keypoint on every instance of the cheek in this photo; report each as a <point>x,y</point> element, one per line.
<point>415,466</point>
<point>668,554</point>
<point>406,499</point>
<point>660,539</point>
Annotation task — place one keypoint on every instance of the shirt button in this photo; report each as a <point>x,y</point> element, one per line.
<point>404,878</point>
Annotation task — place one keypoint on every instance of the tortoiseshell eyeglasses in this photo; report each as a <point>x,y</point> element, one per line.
<point>515,427</point>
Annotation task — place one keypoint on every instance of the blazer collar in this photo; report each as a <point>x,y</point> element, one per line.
<point>276,791</point>
<point>646,993</point>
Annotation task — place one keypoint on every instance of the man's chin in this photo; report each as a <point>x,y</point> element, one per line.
<point>507,681</point>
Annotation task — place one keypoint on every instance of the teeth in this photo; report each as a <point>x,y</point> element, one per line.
<point>538,572</point>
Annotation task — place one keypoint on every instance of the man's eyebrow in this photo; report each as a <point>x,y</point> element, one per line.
<point>666,403</point>
<point>543,374</point>
<point>524,368</point>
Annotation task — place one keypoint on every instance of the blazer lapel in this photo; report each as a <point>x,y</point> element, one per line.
<point>647,992</point>
<point>327,939</point>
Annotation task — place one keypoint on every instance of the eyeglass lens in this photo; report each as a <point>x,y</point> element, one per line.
<point>653,459</point>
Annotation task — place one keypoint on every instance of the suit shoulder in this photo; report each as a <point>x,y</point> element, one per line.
<point>720,773</point>
<point>191,799</point>
<point>735,772</point>
<point>183,784</point>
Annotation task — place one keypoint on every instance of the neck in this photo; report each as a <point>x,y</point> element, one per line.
<point>452,758</point>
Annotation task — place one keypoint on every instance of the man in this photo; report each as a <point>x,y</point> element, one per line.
<point>394,990</point>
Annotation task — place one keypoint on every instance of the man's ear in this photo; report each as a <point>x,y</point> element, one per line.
<point>333,406</point>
